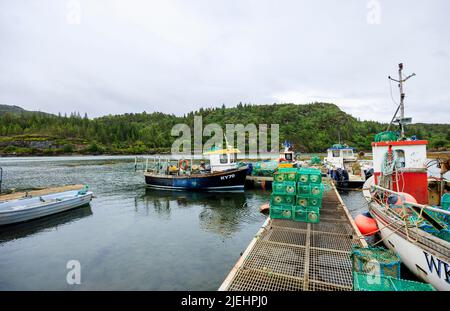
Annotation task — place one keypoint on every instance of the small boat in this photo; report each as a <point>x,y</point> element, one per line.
<point>29,208</point>
<point>223,173</point>
<point>398,200</point>
<point>345,169</point>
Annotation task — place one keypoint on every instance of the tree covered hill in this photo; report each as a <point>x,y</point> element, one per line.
<point>311,127</point>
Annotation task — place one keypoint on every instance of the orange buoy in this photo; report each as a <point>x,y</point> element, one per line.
<point>366,225</point>
<point>394,199</point>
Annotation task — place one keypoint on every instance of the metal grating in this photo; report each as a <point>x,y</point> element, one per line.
<point>331,267</point>
<point>291,255</point>
<point>286,235</point>
<point>289,224</point>
<point>256,280</point>
<point>333,227</point>
<point>277,258</point>
<point>318,286</point>
<point>342,243</point>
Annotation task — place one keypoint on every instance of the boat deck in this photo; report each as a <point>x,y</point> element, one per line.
<point>289,255</point>
<point>38,192</point>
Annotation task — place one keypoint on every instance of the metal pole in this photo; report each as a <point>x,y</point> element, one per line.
<point>1,178</point>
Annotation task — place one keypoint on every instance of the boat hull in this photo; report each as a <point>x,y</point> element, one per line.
<point>230,180</point>
<point>26,214</point>
<point>427,264</point>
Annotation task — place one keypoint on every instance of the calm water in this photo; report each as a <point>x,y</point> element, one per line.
<point>130,237</point>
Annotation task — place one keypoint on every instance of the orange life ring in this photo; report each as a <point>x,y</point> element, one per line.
<point>184,164</point>
<point>282,160</point>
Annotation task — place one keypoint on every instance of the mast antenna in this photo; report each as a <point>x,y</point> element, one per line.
<point>402,121</point>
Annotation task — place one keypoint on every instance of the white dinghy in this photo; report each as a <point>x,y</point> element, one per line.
<point>25,209</point>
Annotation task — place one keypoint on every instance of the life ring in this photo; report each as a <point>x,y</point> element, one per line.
<point>282,160</point>
<point>183,164</point>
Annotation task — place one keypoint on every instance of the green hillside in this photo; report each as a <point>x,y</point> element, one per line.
<point>311,127</point>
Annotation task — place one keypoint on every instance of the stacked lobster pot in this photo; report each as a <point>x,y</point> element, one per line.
<point>297,194</point>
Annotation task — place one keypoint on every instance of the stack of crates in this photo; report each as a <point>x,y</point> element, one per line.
<point>309,195</point>
<point>297,194</point>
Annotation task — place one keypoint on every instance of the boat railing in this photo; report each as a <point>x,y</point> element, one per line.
<point>421,206</point>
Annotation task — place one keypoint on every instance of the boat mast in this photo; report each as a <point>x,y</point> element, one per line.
<point>402,120</point>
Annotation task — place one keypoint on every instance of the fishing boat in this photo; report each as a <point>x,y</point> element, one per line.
<point>345,169</point>
<point>223,173</point>
<point>397,197</point>
<point>29,208</point>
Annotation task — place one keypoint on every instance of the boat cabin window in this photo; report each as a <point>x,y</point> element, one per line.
<point>400,155</point>
<point>223,158</point>
<point>288,156</point>
<point>233,157</point>
<point>347,153</point>
<point>336,153</point>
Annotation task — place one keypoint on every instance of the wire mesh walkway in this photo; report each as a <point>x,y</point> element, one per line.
<point>289,255</point>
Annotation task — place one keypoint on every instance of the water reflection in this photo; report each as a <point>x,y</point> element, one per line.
<point>222,213</point>
<point>24,229</point>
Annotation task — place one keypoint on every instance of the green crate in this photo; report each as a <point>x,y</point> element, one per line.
<point>309,176</point>
<point>303,189</point>
<point>281,176</point>
<point>285,187</point>
<point>299,214</point>
<point>311,215</point>
<point>280,211</point>
<point>308,201</point>
<point>316,190</point>
<point>369,282</point>
<point>278,199</point>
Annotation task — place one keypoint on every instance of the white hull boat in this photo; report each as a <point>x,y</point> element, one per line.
<point>398,201</point>
<point>25,209</point>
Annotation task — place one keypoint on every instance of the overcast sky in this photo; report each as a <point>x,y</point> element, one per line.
<point>117,56</point>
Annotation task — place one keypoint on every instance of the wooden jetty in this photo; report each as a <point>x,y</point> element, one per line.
<point>289,255</point>
<point>38,192</point>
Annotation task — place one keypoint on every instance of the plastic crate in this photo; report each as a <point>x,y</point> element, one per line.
<point>285,199</point>
<point>285,187</point>
<point>316,190</point>
<point>369,282</point>
<point>309,176</point>
<point>299,214</point>
<point>308,201</point>
<point>280,211</point>
<point>285,174</point>
<point>303,189</point>
<point>311,215</point>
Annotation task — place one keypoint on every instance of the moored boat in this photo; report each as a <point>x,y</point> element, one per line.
<point>345,169</point>
<point>25,209</point>
<point>397,195</point>
<point>223,173</point>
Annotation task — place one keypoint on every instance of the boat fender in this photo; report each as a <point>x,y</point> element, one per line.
<point>366,225</point>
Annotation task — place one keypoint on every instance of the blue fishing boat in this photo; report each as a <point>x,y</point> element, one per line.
<point>222,174</point>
